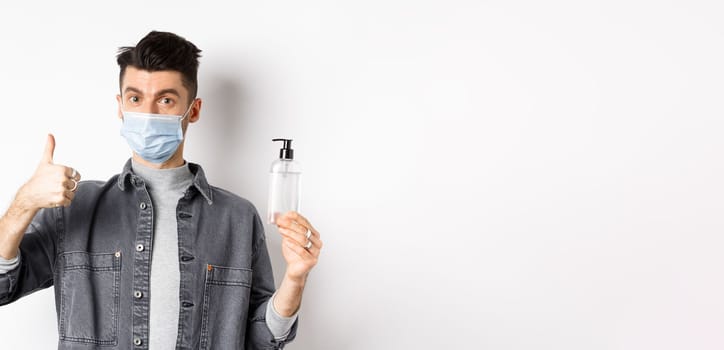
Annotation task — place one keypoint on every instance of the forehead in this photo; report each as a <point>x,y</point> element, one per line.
<point>149,83</point>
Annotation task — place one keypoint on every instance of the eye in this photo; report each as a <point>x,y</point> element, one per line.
<point>166,101</point>
<point>133,99</point>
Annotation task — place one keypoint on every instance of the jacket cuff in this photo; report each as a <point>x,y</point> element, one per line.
<point>8,280</point>
<point>9,265</point>
<point>278,324</point>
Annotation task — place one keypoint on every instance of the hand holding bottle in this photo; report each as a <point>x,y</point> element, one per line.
<point>301,245</point>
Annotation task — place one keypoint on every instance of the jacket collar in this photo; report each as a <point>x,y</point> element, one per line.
<point>199,182</point>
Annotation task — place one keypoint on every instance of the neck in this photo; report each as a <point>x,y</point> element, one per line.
<point>159,180</point>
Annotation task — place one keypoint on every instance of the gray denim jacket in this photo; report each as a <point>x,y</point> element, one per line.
<point>97,255</point>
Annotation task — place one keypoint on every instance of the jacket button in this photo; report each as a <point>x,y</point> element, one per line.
<point>139,247</point>
<point>137,294</point>
<point>143,205</point>
<point>137,341</point>
<point>187,304</point>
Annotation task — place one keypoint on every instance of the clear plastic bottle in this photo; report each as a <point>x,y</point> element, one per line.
<point>284,183</point>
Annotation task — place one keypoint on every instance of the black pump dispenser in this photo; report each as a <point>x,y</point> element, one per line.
<point>286,152</point>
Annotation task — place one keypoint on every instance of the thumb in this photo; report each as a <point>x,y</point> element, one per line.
<point>49,149</point>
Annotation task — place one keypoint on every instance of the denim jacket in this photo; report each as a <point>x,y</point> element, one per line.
<point>97,255</point>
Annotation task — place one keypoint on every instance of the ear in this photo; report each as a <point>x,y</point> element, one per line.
<point>120,103</point>
<point>195,112</point>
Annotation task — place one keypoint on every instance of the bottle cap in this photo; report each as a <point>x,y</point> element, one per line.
<point>286,152</point>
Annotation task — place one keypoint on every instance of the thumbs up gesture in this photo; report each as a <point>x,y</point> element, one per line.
<point>52,185</point>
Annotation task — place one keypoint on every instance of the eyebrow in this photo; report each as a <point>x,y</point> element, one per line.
<point>159,93</point>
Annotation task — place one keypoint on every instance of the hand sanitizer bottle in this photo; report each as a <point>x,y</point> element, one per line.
<point>284,183</point>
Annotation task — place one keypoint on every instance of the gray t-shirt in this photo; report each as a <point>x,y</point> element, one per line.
<point>166,187</point>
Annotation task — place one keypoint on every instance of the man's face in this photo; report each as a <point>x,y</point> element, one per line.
<point>160,92</point>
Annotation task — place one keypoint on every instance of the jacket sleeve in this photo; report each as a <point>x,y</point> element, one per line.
<point>258,335</point>
<point>36,258</point>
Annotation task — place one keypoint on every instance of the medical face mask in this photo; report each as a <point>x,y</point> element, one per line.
<point>154,137</point>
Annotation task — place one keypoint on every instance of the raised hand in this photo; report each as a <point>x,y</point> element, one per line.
<point>52,185</point>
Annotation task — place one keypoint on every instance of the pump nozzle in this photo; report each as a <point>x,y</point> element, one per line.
<point>286,152</point>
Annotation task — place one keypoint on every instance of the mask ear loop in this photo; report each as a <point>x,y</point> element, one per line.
<point>188,110</point>
<point>123,119</point>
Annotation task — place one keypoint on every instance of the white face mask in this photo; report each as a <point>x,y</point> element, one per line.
<point>154,137</point>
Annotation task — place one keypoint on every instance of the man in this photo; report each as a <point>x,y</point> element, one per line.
<point>155,257</point>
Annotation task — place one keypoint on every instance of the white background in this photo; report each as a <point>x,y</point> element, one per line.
<point>485,174</point>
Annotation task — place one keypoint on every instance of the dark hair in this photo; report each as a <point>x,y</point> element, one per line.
<point>159,51</point>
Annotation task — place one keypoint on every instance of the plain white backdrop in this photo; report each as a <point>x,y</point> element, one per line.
<point>484,174</point>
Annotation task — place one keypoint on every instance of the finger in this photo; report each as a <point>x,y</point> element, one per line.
<point>298,238</point>
<point>71,173</point>
<point>295,221</point>
<point>70,185</point>
<point>301,233</point>
<point>298,249</point>
<point>313,252</point>
<point>318,244</point>
<point>285,222</point>
<point>301,220</point>
<point>301,240</point>
<point>315,248</point>
<point>69,195</point>
<point>49,149</point>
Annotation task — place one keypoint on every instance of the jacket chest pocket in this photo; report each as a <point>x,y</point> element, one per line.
<point>226,300</point>
<point>89,297</point>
